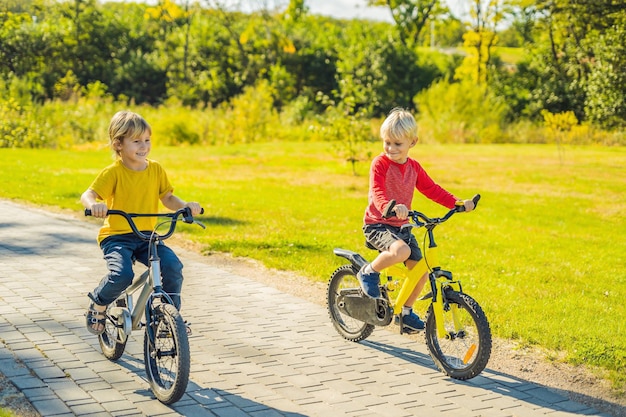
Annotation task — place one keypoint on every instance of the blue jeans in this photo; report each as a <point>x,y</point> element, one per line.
<point>120,253</point>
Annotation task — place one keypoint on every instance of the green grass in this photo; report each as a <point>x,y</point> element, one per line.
<point>544,253</point>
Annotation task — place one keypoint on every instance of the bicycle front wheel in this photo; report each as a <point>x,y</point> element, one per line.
<point>464,351</point>
<point>166,357</point>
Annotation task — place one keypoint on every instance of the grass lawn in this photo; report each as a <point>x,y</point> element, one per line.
<point>544,253</point>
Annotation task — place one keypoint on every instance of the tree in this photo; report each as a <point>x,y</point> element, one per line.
<point>410,16</point>
<point>575,34</point>
<point>605,102</point>
<point>485,16</point>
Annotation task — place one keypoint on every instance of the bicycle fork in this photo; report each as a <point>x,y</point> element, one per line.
<point>440,280</point>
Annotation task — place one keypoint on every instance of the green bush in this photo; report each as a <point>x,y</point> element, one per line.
<point>18,127</point>
<point>459,113</point>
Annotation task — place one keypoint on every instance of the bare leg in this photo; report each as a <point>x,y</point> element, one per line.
<point>398,252</point>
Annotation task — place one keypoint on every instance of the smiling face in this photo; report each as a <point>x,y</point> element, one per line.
<point>134,152</point>
<point>398,149</point>
<point>399,134</point>
<point>130,134</point>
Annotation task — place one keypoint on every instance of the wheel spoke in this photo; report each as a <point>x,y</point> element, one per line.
<point>167,359</point>
<point>465,350</point>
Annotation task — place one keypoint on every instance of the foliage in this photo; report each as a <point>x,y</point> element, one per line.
<point>378,74</point>
<point>17,128</point>
<point>252,117</point>
<point>459,113</point>
<point>480,39</point>
<point>571,64</point>
<point>410,17</point>
<point>200,55</point>
<point>349,133</point>
<point>606,88</point>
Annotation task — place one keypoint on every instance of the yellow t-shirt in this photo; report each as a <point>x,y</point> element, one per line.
<point>131,191</point>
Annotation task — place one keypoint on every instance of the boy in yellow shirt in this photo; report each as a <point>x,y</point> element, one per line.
<point>134,184</point>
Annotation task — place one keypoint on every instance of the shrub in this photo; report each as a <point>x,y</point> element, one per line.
<point>459,113</point>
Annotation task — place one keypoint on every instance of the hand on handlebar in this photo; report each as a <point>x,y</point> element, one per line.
<point>467,205</point>
<point>194,207</point>
<point>99,210</point>
<point>401,211</point>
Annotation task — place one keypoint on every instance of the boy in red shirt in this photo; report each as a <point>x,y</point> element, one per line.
<point>395,176</point>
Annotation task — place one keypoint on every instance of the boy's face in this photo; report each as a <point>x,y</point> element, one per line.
<point>398,149</point>
<point>135,151</point>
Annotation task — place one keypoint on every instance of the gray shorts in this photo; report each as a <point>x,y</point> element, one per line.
<point>382,236</point>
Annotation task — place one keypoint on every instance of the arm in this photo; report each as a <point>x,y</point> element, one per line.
<point>174,203</point>
<point>435,192</point>
<point>429,188</point>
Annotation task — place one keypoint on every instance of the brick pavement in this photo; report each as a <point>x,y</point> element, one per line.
<point>255,351</point>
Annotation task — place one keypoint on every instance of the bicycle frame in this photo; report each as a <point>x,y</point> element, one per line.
<point>149,281</point>
<point>438,278</point>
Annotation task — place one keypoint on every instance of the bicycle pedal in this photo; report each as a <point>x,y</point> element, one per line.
<point>409,330</point>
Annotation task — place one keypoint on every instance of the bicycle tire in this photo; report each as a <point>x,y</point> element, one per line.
<point>349,328</point>
<point>110,341</point>
<point>167,360</point>
<point>465,355</point>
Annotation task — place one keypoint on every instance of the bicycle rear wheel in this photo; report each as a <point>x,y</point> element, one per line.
<point>460,354</point>
<point>167,358</point>
<point>113,340</point>
<point>348,327</point>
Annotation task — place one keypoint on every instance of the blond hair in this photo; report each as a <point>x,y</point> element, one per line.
<point>399,125</point>
<point>126,125</point>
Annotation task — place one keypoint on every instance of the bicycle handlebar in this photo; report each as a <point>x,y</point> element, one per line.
<point>416,215</point>
<point>184,212</point>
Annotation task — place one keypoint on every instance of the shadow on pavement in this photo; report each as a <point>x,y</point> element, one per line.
<point>197,399</point>
<point>507,385</point>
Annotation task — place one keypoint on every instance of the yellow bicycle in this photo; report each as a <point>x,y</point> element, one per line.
<point>457,332</point>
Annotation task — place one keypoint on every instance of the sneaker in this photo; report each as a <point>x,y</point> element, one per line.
<point>411,323</point>
<point>369,283</point>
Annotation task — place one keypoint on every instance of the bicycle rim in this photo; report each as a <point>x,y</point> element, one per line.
<point>110,344</point>
<point>348,327</point>
<point>167,360</point>
<point>460,354</point>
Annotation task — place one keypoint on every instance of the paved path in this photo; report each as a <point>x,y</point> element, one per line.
<point>255,350</point>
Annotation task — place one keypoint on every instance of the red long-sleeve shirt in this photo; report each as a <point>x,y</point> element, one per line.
<point>393,181</point>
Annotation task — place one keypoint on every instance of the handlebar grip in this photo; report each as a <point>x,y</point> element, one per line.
<point>87,212</point>
<point>187,217</point>
<point>389,210</point>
